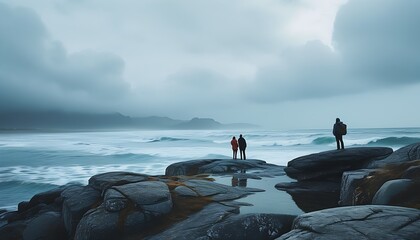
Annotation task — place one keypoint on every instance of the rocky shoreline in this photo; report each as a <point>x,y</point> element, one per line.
<point>356,193</point>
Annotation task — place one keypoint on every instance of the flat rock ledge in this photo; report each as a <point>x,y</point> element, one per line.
<point>259,168</point>
<point>357,222</point>
<point>332,164</point>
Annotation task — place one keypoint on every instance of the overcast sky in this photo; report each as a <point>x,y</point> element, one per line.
<point>286,64</point>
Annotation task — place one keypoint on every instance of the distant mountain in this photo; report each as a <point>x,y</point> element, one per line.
<point>200,123</point>
<point>65,120</point>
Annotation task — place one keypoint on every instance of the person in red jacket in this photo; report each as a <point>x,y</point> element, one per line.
<point>234,144</point>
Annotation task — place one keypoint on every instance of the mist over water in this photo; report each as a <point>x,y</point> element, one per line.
<point>34,162</point>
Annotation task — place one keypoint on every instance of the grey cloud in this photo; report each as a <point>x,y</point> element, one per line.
<point>376,46</point>
<point>310,71</point>
<point>37,72</point>
<point>379,39</point>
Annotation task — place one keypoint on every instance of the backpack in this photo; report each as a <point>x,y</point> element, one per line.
<point>342,129</point>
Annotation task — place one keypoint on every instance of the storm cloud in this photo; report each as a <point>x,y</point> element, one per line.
<point>36,72</point>
<point>375,46</point>
<point>235,60</point>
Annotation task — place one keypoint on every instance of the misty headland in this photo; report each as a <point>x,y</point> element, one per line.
<point>59,120</point>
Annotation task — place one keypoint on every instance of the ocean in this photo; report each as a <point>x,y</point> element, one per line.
<point>33,162</point>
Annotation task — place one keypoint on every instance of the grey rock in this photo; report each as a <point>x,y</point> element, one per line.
<point>104,181</point>
<point>223,166</point>
<point>115,201</point>
<point>46,226</point>
<point>331,164</point>
<point>391,191</point>
<point>77,200</point>
<point>196,225</point>
<point>357,222</point>
<point>404,154</point>
<point>311,196</point>
<point>185,192</point>
<point>218,192</point>
<point>151,196</point>
<point>251,226</point>
<point>350,181</point>
<point>186,168</point>
<point>99,224</point>
<point>412,172</point>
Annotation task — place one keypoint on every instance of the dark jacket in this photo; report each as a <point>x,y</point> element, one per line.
<point>336,130</point>
<point>242,143</point>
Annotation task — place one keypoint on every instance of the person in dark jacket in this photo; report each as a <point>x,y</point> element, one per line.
<point>338,135</point>
<point>242,146</point>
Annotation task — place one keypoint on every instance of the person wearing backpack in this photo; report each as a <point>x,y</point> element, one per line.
<point>339,130</point>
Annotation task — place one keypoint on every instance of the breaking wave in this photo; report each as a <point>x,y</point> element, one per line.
<point>392,141</point>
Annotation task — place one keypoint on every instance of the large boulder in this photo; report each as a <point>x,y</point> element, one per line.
<point>399,192</point>
<point>331,164</point>
<point>311,196</point>
<point>99,224</point>
<point>127,210</point>
<point>77,200</point>
<point>153,197</point>
<point>46,226</point>
<point>196,225</point>
<point>404,154</point>
<point>357,222</point>
<point>222,166</point>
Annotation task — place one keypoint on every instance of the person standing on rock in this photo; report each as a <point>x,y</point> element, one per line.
<point>242,146</point>
<point>339,129</point>
<point>234,144</point>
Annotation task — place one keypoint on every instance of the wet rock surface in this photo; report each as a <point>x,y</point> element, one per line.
<point>357,222</point>
<point>223,166</point>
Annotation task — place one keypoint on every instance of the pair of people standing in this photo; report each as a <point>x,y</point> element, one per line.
<point>241,143</point>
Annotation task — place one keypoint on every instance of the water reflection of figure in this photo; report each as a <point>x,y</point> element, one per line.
<point>243,182</point>
<point>234,181</point>
<point>240,181</point>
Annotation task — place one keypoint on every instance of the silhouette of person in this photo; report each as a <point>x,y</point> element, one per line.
<point>235,181</point>
<point>338,135</point>
<point>234,144</point>
<point>242,146</point>
<point>243,182</point>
